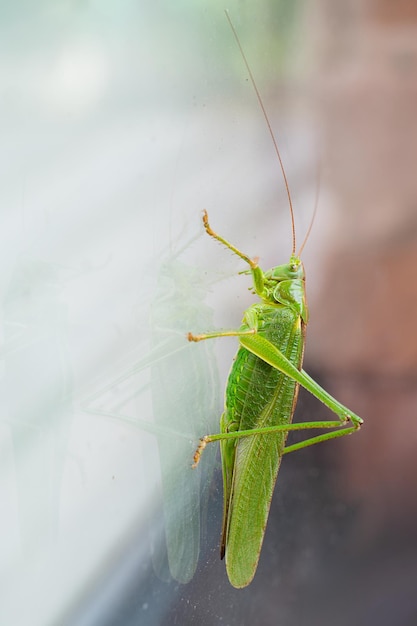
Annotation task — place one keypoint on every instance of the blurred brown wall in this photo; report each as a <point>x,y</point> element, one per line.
<point>363,334</point>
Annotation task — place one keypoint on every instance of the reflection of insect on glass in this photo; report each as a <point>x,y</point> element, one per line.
<point>182,396</point>
<point>261,396</point>
<point>181,385</point>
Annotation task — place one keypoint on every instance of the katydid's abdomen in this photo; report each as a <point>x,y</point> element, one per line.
<point>257,395</point>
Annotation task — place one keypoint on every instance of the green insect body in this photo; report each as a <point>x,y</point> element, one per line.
<point>257,395</point>
<point>261,396</point>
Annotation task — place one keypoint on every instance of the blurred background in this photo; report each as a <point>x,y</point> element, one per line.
<point>120,122</point>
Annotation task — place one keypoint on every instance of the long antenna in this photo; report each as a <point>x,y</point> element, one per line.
<point>261,104</point>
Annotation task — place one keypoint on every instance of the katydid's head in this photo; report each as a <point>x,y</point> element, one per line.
<point>294,270</point>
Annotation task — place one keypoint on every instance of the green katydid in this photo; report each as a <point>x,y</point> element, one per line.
<point>261,396</point>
